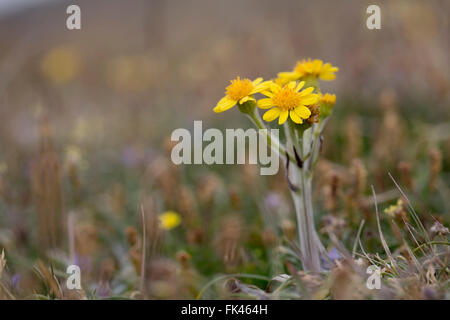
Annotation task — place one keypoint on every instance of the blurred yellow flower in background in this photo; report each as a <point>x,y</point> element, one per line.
<point>240,91</point>
<point>133,73</point>
<point>327,98</point>
<point>61,64</point>
<point>169,220</point>
<point>327,102</point>
<point>3,167</point>
<point>395,209</point>
<point>287,101</point>
<point>315,68</point>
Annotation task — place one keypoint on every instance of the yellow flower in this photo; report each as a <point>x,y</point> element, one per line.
<point>315,68</point>
<point>395,210</point>
<point>329,99</point>
<point>240,91</point>
<point>169,220</point>
<point>61,64</point>
<point>287,101</point>
<point>327,102</point>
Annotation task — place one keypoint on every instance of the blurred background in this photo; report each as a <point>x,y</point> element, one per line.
<point>86,117</point>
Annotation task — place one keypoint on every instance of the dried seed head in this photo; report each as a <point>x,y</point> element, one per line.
<point>269,237</point>
<point>331,190</point>
<point>439,229</point>
<point>184,259</point>
<point>195,236</point>
<point>107,269</point>
<point>229,240</point>
<point>235,199</point>
<point>152,222</point>
<point>46,185</point>
<point>187,207</point>
<point>353,136</point>
<point>86,239</point>
<point>207,188</point>
<point>132,236</point>
<point>390,136</point>
<point>435,167</point>
<point>346,284</point>
<point>166,176</point>
<point>288,228</point>
<point>405,169</point>
<point>358,175</point>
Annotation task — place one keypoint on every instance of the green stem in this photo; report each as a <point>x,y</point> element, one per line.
<point>273,142</point>
<point>309,241</point>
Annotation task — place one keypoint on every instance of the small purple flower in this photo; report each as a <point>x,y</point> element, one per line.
<point>333,255</point>
<point>272,201</point>
<point>15,281</point>
<point>104,290</point>
<point>83,262</point>
<point>131,156</point>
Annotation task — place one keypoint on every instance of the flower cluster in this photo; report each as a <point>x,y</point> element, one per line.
<point>293,95</point>
<point>294,98</point>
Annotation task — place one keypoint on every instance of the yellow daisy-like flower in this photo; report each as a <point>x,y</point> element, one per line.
<point>240,91</point>
<point>315,68</point>
<point>329,99</point>
<point>169,220</point>
<point>288,101</point>
<point>327,102</point>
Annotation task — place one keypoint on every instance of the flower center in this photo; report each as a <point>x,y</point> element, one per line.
<point>239,89</point>
<point>286,98</point>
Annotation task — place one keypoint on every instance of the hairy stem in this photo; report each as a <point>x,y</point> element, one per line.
<point>310,245</point>
<point>273,142</point>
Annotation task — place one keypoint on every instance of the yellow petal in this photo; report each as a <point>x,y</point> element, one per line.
<point>292,84</point>
<point>265,103</point>
<point>257,81</point>
<point>261,87</point>
<point>245,99</point>
<point>307,91</point>
<point>317,65</point>
<point>303,112</point>
<point>224,104</point>
<point>272,114</point>
<point>283,117</point>
<point>310,99</point>
<point>300,85</point>
<point>295,117</point>
<point>327,76</point>
<point>327,67</point>
<point>267,93</point>
<point>274,87</point>
<point>288,75</point>
<point>308,67</point>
